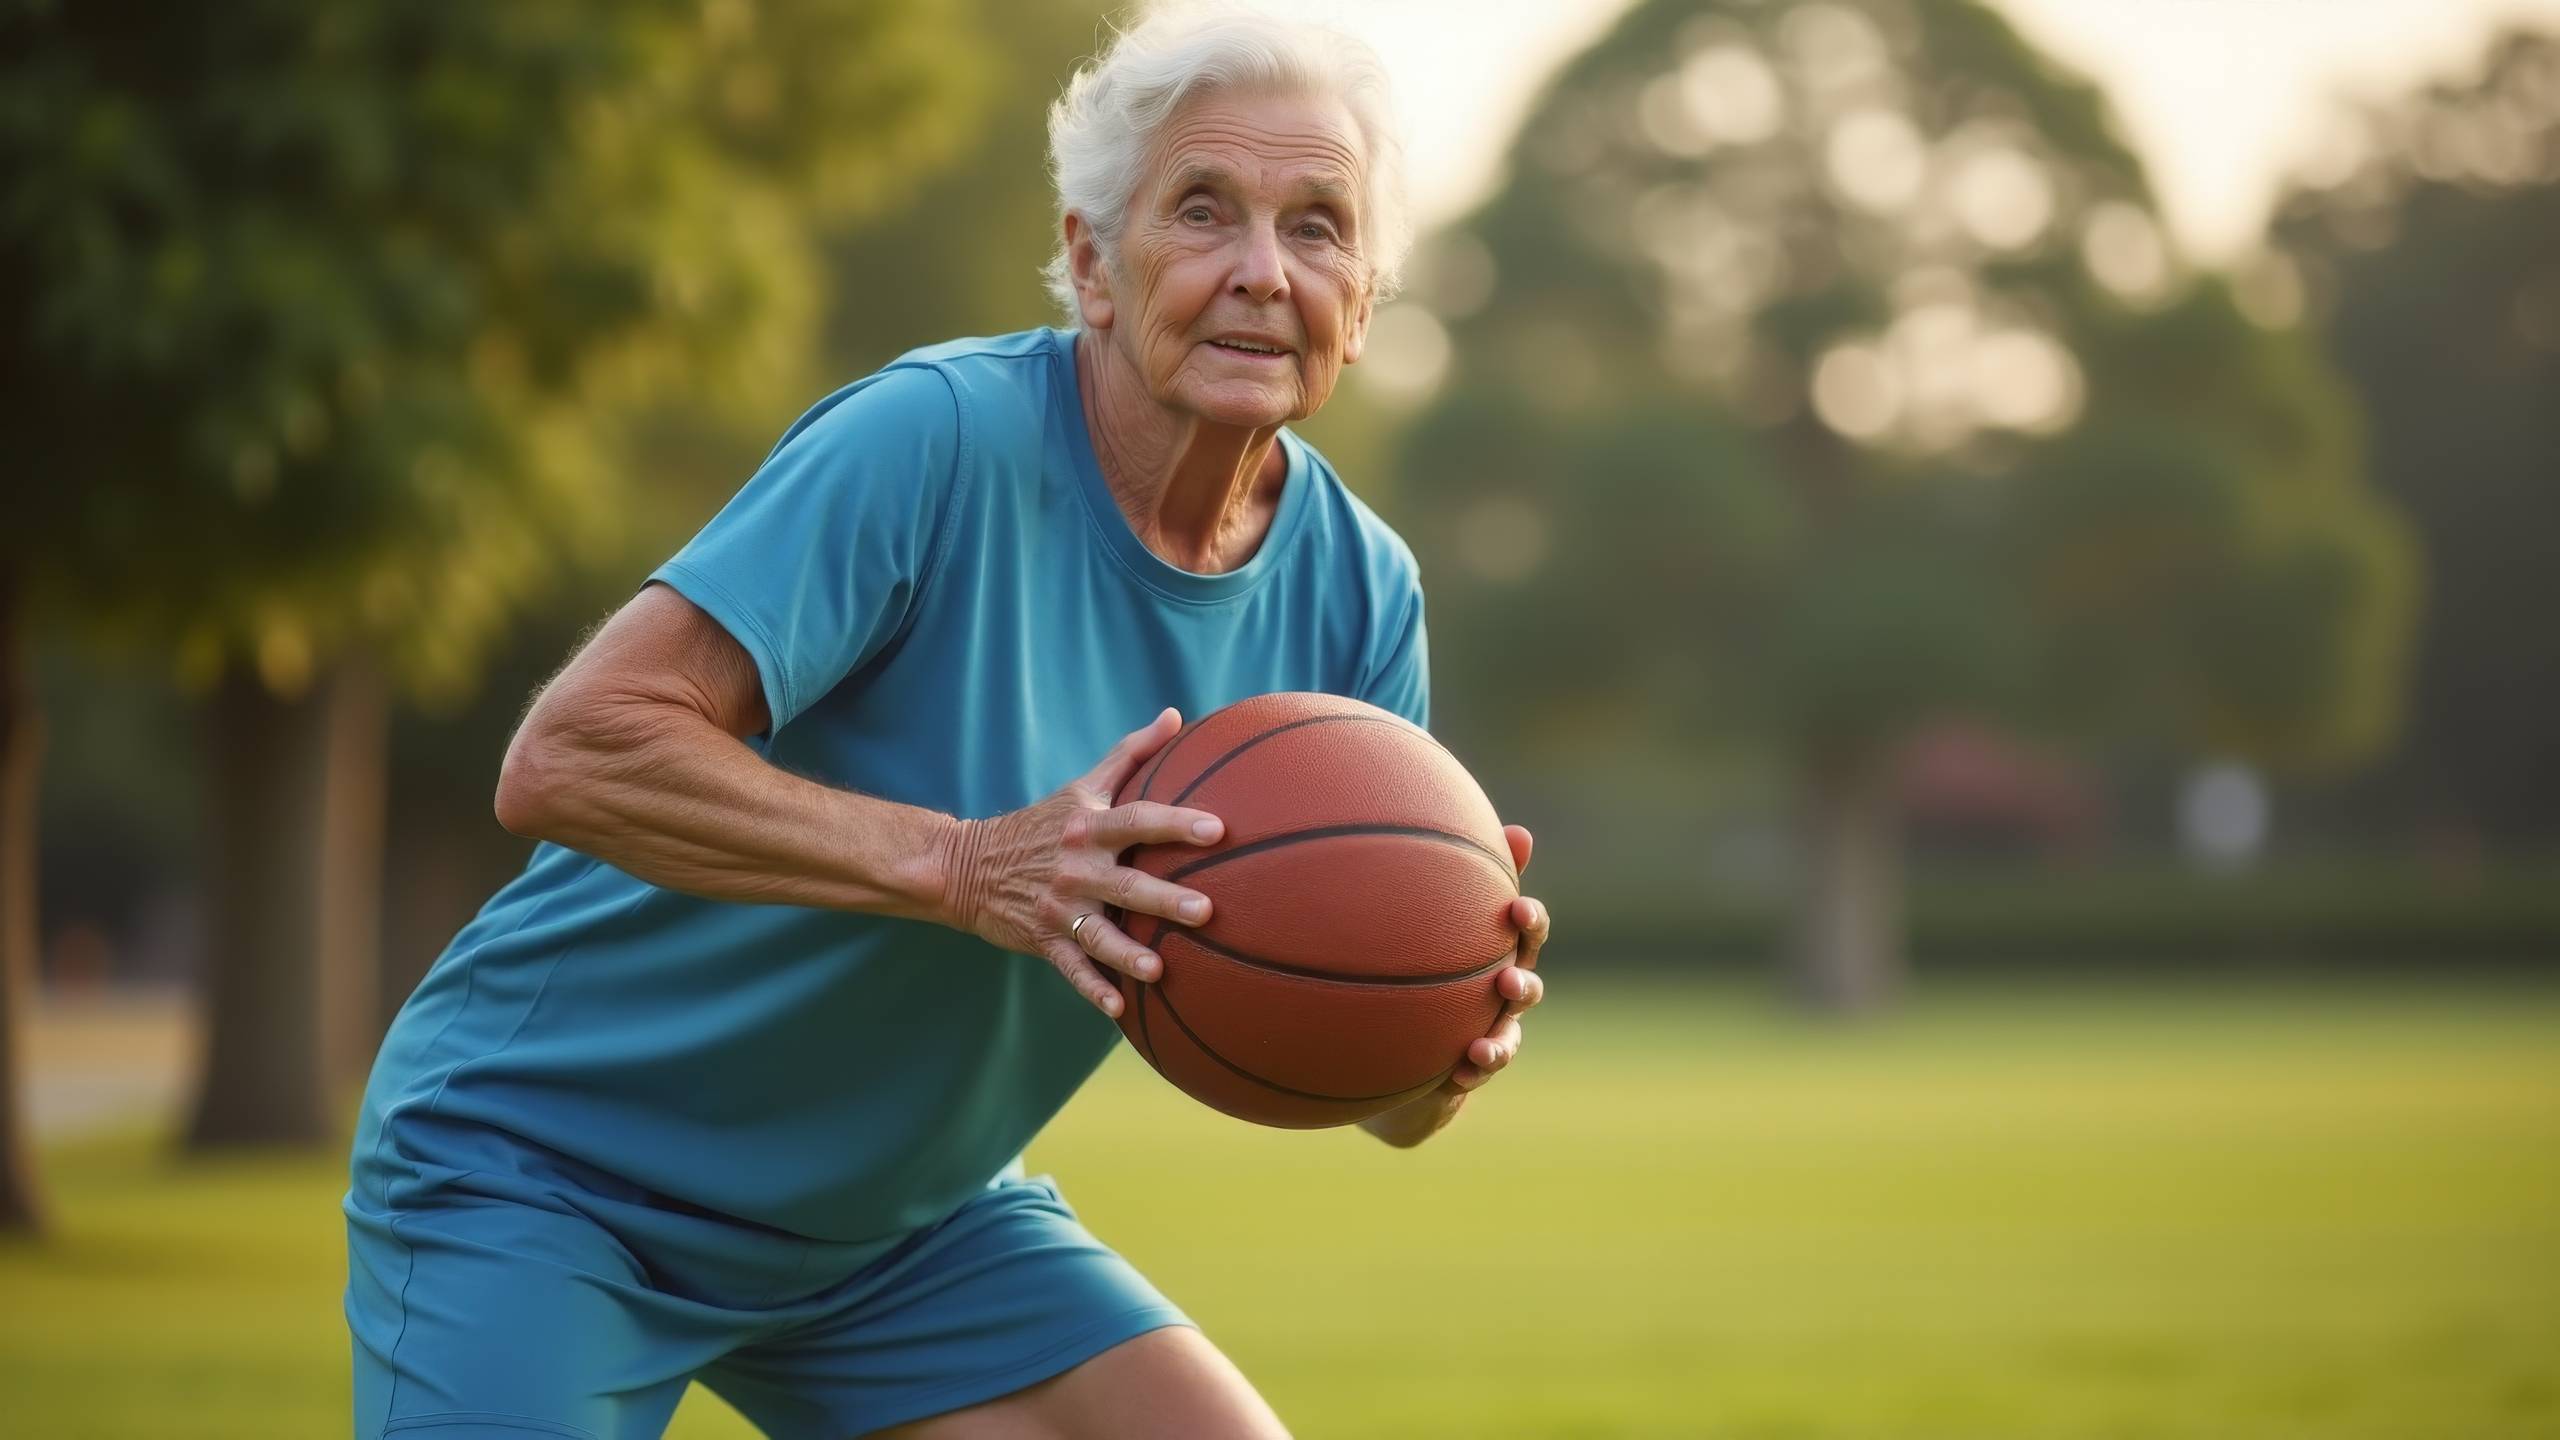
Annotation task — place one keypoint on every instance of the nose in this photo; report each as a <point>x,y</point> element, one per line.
<point>1260,276</point>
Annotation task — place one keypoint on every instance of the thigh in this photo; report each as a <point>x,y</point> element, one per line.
<point>496,1318</point>
<point>1169,1384</point>
<point>1005,1295</point>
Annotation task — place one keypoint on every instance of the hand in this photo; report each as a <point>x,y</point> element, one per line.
<point>1520,987</point>
<point>1018,881</point>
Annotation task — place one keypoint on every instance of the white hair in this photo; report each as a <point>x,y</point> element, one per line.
<point>1102,128</point>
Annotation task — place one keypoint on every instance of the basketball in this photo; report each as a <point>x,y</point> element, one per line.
<point>1359,913</point>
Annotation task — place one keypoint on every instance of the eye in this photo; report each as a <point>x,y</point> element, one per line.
<point>1197,215</point>
<point>1315,230</point>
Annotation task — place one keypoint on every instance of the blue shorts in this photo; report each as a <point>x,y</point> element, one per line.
<point>541,1297</point>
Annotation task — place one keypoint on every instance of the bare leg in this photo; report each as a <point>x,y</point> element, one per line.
<point>1168,1384</point>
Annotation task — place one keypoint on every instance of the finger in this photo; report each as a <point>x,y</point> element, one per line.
<point>1081,972</point>
<point>1520,990</point>
<point>1144,822</point>
<point>1115,768</point>
<point>1144,894</point>
<point>1531,919</point>
<point>1520,841</point>
<point>1494,1051</point>
<point>1111,945</point>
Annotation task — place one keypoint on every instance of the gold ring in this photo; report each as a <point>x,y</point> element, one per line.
<point>1075,928</point>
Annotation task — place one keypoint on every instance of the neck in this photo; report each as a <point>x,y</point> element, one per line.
<point>1200,495</point>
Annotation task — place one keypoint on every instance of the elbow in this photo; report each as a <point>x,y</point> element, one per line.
<point>528,786</point>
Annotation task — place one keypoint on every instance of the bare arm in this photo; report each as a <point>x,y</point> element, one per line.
<point>635,754</point>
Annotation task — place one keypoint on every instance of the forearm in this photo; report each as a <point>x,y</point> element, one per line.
<point>658,791</point>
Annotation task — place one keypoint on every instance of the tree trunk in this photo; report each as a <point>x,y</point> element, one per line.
<point>22,1208</point>
<point>351,849</point>
<point>265,1079</point>
<point>1848,932</point>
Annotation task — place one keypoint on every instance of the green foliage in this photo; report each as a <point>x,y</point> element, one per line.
<point>964,256</point>
<point>1837,375</point>
<point>2433,267</point>
<point>2175,1212</point>
<point>324,317</point>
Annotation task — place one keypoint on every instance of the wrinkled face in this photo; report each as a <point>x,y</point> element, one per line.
<point>1242,289</point>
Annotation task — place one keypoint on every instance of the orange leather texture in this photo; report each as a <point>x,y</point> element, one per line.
<point>1361,912</point>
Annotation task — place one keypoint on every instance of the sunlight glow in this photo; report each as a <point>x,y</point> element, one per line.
<point>1407,355</point>
<point>1876,159</point>
<point>2126,252</point>
<point>1856,392</point>
<point>1732,95</point>
<point>2003,197</point>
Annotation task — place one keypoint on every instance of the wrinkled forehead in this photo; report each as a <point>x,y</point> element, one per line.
<point>1301,147</point>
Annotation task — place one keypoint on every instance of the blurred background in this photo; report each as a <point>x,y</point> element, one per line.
<point>2026,525</point>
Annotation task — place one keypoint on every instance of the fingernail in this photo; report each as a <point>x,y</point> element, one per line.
<point>1147,967</point>
<point>1194,908</point>
<point>1204,829</point>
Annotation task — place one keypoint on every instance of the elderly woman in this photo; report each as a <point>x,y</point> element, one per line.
<point>730,1084</point>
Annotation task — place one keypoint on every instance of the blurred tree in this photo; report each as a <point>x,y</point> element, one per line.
<point>2429,254</point>
<point>21,757</point>
<point>322,320</point>
<point>965,257</point>
<point>1824,369</point>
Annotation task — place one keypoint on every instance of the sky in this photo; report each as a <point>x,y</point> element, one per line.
<point>2222,97</point>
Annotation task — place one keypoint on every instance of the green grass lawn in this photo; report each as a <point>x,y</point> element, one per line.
<point>2262,1212</point>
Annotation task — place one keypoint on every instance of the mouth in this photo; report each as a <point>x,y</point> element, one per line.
<point>1251,349</point>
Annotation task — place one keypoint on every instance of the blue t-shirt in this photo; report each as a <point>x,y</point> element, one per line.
<point>946,608</point>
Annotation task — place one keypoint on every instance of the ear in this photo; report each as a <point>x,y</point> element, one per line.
<point>1092,276</point>
<point>1356,336</point>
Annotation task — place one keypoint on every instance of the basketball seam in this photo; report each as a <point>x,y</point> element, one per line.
<point>1328,832</point>
<point>1249,742</point>
<point>1341,977</point>
<point>1204,1048</point>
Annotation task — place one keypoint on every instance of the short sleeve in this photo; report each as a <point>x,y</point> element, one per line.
<point>1400,681</point>
<point>815,565</point>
